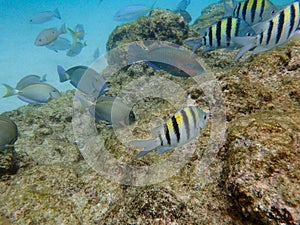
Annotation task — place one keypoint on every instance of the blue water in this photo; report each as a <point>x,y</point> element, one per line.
<point>19,56</point>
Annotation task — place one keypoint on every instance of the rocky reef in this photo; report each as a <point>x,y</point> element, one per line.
<point>252,178</point>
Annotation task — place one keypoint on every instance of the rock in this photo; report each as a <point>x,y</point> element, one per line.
<point>8,162</point>
<point>263,167</point>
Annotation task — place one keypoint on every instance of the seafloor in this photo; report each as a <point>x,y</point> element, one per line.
<point>252,178</point>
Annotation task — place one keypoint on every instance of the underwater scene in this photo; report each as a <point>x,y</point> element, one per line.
<point>150,112</point>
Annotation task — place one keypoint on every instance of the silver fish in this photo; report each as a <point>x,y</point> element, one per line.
<point>60,44</point>
<point>37,93</point>
<point>178,130</point>
<point>30,79</point>
<point>42,17</point>
<point>49,35</point>
<point>8,132</point>
<point>273,32</point>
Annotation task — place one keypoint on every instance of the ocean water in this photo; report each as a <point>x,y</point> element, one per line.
<point>20,57</point>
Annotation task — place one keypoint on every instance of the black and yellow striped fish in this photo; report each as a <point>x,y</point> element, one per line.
<point>273,32</point>
<point>179,129</point>
<point>252,11</point>
<point>219,34</point>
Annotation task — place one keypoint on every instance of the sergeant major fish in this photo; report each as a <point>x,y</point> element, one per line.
<point>273,32</point>
<point>220,34</point>
<point>252,11</point>
<point>42,17</point>
<point>179,129</point>
<point>49,35</point>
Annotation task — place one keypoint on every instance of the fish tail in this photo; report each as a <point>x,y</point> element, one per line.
<point>44,78</point>
<point>148,146</point>
<point>62,74</point>
<point>56,13</point>
<point>74,35</point>
<point>248,43</point>
<point>62,29</point>
<point>152,6</point>
<point>10,91</point>
<point>135,53</point>
<point>196,44</point>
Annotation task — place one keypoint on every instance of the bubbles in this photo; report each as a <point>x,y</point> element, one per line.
<point>127,169</point>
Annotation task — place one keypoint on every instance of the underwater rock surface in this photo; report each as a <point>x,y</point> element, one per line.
<point>253,179</point>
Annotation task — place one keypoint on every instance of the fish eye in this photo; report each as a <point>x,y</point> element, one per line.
<point>273,11</point>
<point>204,117</point>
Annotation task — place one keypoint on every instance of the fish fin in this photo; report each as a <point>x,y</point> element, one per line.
<point>260,49</point>
<point>75,35</point>
<point>155,130</point>
<point>248,43</point>
<point>56,13</point>
<point>207,49</point>
<point>228,10</point>
<point>62,29</point>
<point>260,27</point>
<point>148,146</point>
<point>10,91</point>
<point>163,149</point>
<point>152,6</point>
<point>153,66</point>
<point>44,78</point>
<point>63,76</point>
<point>296,36</point>
<point>135,53</point>
<point>84,103</point>
<point>196,44</point>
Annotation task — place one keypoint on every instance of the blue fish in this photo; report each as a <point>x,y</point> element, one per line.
<point>132,12</point>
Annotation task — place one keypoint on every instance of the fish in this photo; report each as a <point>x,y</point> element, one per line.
<point>75,49</point>
<point>42,17</point>
<point>252,11</point>
<point>49,35</point>
<point>178,130</point>
<point>173,60</point>
<point>85,79</point>
<point>182,5</point>
<point>8,132</point>
<point>30,79</point>
<point>60,44</point>
<point>220,34</point>
<point>132,12</point>
<point>185,15</point>
<point>110,109</point>
<point>79,29</point>
<point>37,93</point>
<point>273,32</point>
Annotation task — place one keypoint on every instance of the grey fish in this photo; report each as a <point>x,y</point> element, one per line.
<point>178,130</point>
<point>84,79</point>
<point>42,17</point>
<point>60,44</point>
<point>273,32</point>
<point>75,49</point>
<point>132,12</point>
<point>8,132</point>
<point>173,60</point>
<point>37,93</point>
<point>49,35</point>
<point>30,79</point>
<point>109,109</point>
<point>220,34</point>
<point>182,5</point>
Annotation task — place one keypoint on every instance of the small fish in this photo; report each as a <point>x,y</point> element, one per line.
<point>37,93</point>
<point>132,12</point>
<point>220,34</point>
<point>173,60</point>
<point>60,44</point>
<point>42,17</point>
<point>84,79</point>
<point>178,130</point>
<point>75,49</point>
<point>182,5</point>
<point>96,54</point>
<point>109,109</point>
<point>79,29</point>
<point>49,35</point>
<point>8,132</point>
<point>273,32</point>
<point>252,11</point>
<point>30,79</point>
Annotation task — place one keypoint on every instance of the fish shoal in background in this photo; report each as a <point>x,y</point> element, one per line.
<point>179,129</point>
